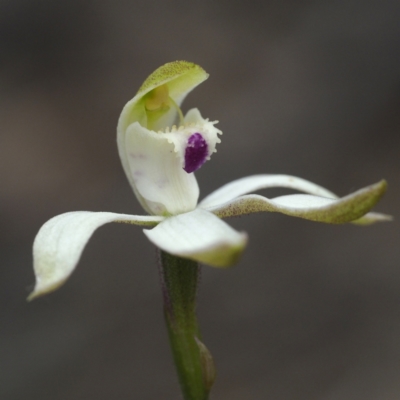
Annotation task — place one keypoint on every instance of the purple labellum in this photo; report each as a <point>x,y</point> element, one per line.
<point>196,152</point>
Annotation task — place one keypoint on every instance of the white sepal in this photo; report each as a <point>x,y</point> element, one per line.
<point>314,208</point>
<point>253,183</point>
<point>60,241</point>
<point>201,236</point>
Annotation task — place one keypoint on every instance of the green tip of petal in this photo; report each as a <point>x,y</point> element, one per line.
<point>374,217</point>
<point>220,257</point>
<point>40,290</point>
<point>355,206</point>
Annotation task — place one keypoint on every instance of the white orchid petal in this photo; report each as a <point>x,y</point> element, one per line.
<point>321,209</point>
<point>60,241</point>
<point>253,183</point>
<point>160,183</point>
<point>201,236</point>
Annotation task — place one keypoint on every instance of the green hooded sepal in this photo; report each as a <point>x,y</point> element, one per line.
<point>157,102</point>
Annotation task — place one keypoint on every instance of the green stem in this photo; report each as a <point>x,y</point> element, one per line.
<point>193,361</point>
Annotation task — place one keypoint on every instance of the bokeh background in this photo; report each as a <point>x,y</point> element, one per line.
<point>302,87</point>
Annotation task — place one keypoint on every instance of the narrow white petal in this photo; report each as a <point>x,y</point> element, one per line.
<point>156,173</point>
<point>201,236</point>
<point>253,183</point>
<point>322,209</point>
<point>60,241</point>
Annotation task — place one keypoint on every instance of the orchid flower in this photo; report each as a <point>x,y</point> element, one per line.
<point>160,149</point>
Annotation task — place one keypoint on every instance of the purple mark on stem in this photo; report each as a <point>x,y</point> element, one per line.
<point>196,153</point>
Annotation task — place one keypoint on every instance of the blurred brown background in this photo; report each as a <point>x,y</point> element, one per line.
<point>309,88</point>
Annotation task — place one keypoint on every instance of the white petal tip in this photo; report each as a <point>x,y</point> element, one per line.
<point>372,218</point>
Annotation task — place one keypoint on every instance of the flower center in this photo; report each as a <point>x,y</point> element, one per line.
<point>157,103</point>
<point>196,152</point>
